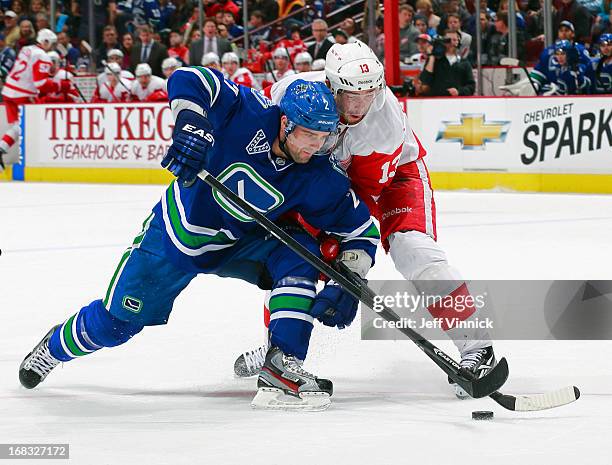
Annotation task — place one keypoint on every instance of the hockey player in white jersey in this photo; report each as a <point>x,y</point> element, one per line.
<point>115,56</point>
<point>59,75</point>
<point>29,77</point>
<point>282,68</point>
<point>114,89</point>
<point>237,73</point>
<point>384,160</point>
<point>147,87</point>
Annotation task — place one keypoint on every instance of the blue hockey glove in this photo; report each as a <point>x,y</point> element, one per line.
<point>191,140</point>
<point>333,306</point>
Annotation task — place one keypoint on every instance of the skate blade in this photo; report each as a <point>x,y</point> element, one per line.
<point>276,399</point>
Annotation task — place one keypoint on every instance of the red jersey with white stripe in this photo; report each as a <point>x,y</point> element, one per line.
<point>55,96</point>
<point>156,87</point>
<point>371,150</point>
<point>29,75</point>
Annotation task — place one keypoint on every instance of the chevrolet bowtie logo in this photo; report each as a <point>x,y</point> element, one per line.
<point>473,132</point>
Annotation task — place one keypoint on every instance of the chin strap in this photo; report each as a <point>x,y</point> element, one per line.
<point>289,128</point>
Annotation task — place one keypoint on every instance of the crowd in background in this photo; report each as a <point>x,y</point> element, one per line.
<point>286,36</point>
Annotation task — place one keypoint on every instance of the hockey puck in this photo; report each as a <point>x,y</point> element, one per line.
<point>482,415</point>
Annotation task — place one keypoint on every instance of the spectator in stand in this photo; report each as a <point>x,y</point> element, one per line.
<point>127,44</point>
<point>110,41</point>
<point>424,47</point>
<point>41,21</point>
<point>268,9</point>
<point>11,30</point>
<point>211,60</point>
<point>104,12</point>
<point>177,49</point>
<point>340,37</point>
<point>349,27</point>
<point>445,73</point>
<point>224,6</point>
<point>27,36</point>
<point>453,22</point>
<point>68,52</point>
<point>7,58</point>
<point>488,32</point>
<point>223,33</point>
<point>303,62</point>
<point>113,90</point>
<point>318,50</point>
<point>520,20</point>
<point>407,32</point>
<point>115,56</point>
<point>420,22</point>
<point>233,71</point>
<point>37,7</point>
<point>602,66</point>
<point>19,7</point>
<point>148,51</point>
<point>424,8</point>
<point>499,43</point>
<point>146,87</point>
<point>294,43</point>
<point>233,29</point>
<point>579,16</point>
<point>169,66</point>
<point>288,7</point>
<point>255,22</point>
<point>167,11</point>
<point>211,42</point>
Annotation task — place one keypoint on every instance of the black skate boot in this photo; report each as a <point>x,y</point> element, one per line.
<point>284,385</point>
<point>479,362</point>
<point>38,363</point>
<point>250,363</point>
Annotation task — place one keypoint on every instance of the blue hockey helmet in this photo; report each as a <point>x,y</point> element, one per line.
<point>563,46</point>
<point>605,38</point>
<point>310,105</point>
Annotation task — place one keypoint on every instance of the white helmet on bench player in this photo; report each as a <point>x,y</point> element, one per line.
<point>357,79</point>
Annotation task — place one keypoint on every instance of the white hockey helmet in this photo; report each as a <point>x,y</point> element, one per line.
<point>112,69</point>
<point>210,58</point>
<point>169,63</point>
<point>55,58</point>
<point>230,57</point>
<point>303,57</point>
<point>115,52</point>
<point>318,65</point>
<point>353,67</point>
<point>280,52</point>
<point>143,69</point>
<point>46,36</point>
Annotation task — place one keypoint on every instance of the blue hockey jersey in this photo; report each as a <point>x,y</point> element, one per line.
<point>602,76</point>
<point>201,225</point>
<point>547,71</point>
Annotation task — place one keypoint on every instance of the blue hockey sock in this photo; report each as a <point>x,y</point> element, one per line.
<point>90,329</point>
<point>290,321</point>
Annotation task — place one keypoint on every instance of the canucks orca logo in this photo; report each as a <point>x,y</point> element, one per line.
<point>250,186</point>
<point>259,144</point>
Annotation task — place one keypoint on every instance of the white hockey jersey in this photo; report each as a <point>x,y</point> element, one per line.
<point>374,147</point>
<point>141,94</point>
<point>29,73</point>
<point>106,93</point>
<point>278,77</point>
<point>126,76</point>
<point>245,77</point>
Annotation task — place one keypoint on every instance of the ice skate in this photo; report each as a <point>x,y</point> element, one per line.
<point>479,362</point>
<point>284,385</point>
<point>250,362</point>
<point>38,363</point>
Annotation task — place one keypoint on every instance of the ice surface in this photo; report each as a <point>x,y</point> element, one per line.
<point>169,395</point>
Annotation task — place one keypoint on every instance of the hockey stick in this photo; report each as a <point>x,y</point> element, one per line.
<point>475,387</point>
<point>522,403</point>
<point>117,76</point>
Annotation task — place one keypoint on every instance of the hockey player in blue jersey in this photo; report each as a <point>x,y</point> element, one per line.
<point>565,73</point>
<point>266,154</point>
<point>602,66</point>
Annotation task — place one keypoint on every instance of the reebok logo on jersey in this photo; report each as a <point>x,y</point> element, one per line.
<point>199,132</point>
<point>396,211</point>
<point>258,144</point>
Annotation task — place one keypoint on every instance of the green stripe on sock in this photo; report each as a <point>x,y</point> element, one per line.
<point>70,341</point>
<point>286,302</point>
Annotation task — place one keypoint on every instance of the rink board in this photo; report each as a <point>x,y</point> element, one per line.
<point>541,144</point>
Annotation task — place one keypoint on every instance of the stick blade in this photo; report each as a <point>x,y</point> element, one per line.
<point>538,402</point>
